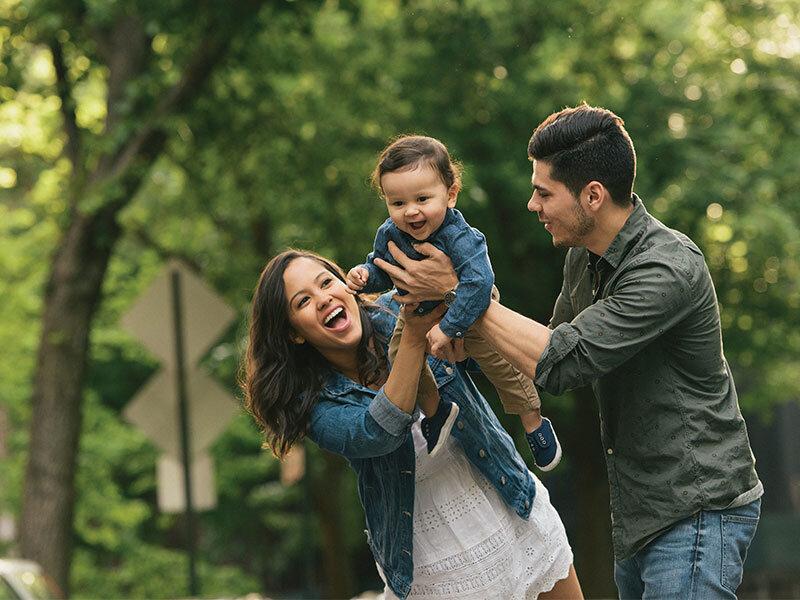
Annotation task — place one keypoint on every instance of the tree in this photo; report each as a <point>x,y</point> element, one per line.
<point>276,150</point>
<point>107,169</point>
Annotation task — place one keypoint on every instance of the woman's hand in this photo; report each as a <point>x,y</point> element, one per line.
<point>426,279</point>
<point>417,326</point>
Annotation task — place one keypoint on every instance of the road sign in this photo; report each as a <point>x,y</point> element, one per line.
<point>155,409</point>
<point>205,316</point>
<point>181,410</point>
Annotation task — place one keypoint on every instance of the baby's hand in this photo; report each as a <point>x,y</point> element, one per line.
<point>357,279</point>
<point>439,342</point>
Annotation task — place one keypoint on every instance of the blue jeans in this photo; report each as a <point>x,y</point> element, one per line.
<point>697,558</point>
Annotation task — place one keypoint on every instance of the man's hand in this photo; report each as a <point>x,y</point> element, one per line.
<point>356,279</point>
<point>426,279</point>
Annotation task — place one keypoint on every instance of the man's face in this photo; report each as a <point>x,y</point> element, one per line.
<point>559,211</point>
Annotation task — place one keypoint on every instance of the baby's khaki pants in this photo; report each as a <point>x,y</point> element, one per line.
<point>517,392</point>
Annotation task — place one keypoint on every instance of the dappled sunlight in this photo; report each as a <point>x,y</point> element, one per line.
<point>272,144</point>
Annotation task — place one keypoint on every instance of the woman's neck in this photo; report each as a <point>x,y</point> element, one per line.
<point>344,361</point>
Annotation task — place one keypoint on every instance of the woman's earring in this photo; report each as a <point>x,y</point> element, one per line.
<point>297,339</point>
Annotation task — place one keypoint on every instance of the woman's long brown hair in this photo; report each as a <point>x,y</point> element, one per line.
<point>281,379</point>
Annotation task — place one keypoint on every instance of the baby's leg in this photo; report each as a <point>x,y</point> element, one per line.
<point>517,392</point>
<point>427,393</point>
<point>531,420</point>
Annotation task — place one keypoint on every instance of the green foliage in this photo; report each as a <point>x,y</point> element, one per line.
<point>277,151</point>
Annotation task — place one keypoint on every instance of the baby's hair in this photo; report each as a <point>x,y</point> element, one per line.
<point>411,151</point>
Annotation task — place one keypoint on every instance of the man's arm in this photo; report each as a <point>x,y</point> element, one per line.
<point>520,340</point>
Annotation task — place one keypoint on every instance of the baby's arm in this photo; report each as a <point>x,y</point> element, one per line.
<point>470,256</point>
<point>357,278</point>
<point>376,278</point>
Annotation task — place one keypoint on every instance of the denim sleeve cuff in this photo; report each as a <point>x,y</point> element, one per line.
<point>387,415</point>
<point>563,339</point>
<point>452,330</point>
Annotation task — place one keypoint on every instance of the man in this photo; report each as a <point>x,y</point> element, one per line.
<point>637,318</point>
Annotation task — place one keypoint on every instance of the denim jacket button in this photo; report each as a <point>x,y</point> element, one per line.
<point>502,480</point>
<point>460,424</point>
<point>482,453</point>
<point>448,370</point>
<point>609,451</point>
<point>527,503</point>
<point>459,334</point>
<point>406,513</point>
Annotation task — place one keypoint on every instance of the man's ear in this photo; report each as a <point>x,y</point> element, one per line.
<point>452,195</point>
<point>595,194</point>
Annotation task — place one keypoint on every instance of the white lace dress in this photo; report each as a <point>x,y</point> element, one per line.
<point>468,544</point>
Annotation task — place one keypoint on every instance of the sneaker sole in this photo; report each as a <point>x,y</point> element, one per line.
<point>445,432</point>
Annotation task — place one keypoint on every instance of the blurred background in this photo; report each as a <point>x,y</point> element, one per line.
<point>133,132</point>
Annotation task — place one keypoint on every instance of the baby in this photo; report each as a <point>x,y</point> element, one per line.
<point>420,184</point>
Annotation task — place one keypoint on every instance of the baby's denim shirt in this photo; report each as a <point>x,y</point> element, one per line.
<point>466,248</point>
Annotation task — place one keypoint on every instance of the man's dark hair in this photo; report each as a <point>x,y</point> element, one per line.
<point>584,144</point>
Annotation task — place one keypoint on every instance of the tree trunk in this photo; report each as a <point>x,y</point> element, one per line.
<point>78,270</point>
<point>71,298</point>
<point>327,492</point>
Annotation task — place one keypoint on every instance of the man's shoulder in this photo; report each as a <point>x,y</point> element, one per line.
<point>667,247</point>
<point>665,241</point>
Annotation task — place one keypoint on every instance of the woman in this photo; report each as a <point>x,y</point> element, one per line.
<point>477,524</point>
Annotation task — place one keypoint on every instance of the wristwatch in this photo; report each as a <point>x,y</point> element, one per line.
<point>450,296</point>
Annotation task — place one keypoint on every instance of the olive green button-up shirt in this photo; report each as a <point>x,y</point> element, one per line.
<point>641,325</point>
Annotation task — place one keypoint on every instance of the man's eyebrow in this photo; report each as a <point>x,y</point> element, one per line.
<point>321,273</point>
<point>538,187</point>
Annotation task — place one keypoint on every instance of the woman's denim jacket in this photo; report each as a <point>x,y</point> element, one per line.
<point>374,436</point>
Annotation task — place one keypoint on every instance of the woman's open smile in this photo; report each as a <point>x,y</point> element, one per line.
<point>321,311</point>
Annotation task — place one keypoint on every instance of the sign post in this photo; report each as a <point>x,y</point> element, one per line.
<point>181,409</point>
<point>183,419</point>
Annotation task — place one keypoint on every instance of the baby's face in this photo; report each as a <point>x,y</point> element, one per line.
<point>417,200</point>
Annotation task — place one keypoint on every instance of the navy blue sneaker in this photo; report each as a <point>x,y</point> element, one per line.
<point>435,429</point>
<point>544,445</point>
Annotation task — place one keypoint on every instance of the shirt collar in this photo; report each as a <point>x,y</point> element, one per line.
<point>626,238</point>
<point>339,385</point>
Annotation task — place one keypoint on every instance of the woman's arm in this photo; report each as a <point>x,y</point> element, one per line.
<point>401,385</point>
<point>381,427</point>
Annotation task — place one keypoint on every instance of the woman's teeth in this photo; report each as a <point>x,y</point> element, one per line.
<point>333,315</point>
